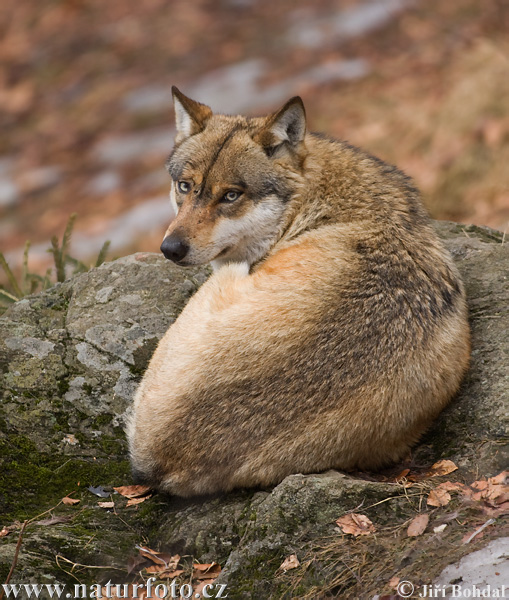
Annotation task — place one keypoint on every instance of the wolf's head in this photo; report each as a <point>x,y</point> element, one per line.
<point>232,180</point>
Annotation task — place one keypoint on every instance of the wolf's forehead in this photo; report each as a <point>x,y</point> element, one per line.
<point>218,150</point>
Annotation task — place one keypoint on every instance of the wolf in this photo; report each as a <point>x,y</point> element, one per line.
<point>333,329</point>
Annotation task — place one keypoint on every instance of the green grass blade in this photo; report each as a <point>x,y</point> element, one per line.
<point>67,235</point>
<point>57,257</point>
<point>102,253</point>
<point>7,298</point>
<point>10,277</point>
<point>46,282</point>
<point>24,275</point>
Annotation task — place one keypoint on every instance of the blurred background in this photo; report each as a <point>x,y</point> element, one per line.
<point>87,117</point>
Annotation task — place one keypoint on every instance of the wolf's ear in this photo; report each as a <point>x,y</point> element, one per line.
<point>190,116</point>
<point>286,126</point>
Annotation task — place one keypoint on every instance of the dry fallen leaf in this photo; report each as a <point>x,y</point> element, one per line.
<point>132,491</point>
<point>198,588</point>
<point>170,574</point>
<point>165,561</point>
<point>418,525</point>
<point>393,582</point>
<point>442,467</point>
<point>501,510</point>
<point>439,497</point>
<point>290,562</point>
<point>136,563</point>
<point>402,475</point>
<point>356,524</point>
<point>134,501</point>
<point>98,491</point>
<point>206,571</point>
<point>439,528</point>
<point>70,501</point>
<point>449,486</point>
<point>500,479</point>
<point>106,504</point>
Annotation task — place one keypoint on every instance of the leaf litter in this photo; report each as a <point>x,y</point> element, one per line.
<point>418,525</point>
<point>290,562</point>
<point>356,524</point>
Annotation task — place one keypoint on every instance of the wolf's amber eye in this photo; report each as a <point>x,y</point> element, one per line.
<point>230,196</point>
<point>183,187</point>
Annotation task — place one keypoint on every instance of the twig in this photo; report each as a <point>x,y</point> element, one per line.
<point>476,532</point>
<point>351,571</point>
<point>43,513</point>
<point>15,559</point>
<point>75,564</point>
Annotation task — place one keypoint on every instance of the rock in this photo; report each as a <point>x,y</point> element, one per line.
<point>471,430</point>
<point>70,359</point>
<point>487,570</point>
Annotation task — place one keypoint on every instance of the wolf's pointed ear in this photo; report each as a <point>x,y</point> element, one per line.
<point>287,125</point>
<point>190,116</point>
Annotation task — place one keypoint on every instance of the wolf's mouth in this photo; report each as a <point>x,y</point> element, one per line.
<point>223,252</point>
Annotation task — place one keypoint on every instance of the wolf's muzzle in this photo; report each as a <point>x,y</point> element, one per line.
<point>174,248</point>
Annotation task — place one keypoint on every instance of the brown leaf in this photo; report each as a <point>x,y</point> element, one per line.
<point>155,569</point>
<point>290,562</point>
<point>500,510</point>
<point>356,524</point>
<point>439,497</point>
<point>4,532</point>
<point>168,561</point>
<point>170,574</point>
<point>106,504</point>
<point>132,491</point>
<point>70,501</point>
<point>482,484</point>
<point>493,491</point>
<point>198,588</point>
<point>418,525</point>
<point>402,475</point>
<point>450,486</point>
<point>500,479</point>
<point>134,501</point>
<point>206,571</point>
<point>393,582</point>
<point>136,563</point>
<point>442,467</point>
<point>53,521</point>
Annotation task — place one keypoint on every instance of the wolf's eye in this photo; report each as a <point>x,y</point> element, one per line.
<point>183,187</point>
<point>230,196</point>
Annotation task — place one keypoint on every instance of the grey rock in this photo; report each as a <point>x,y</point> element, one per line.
<point>487,570</point>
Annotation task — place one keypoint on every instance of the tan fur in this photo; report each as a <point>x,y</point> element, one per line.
<point>333,331</point>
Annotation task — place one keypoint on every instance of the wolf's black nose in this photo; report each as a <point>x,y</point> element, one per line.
<point>174,248</point>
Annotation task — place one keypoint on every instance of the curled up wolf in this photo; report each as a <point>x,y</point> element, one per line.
<point>333,330</point>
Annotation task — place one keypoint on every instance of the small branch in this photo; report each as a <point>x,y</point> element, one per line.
<point>15,559</point>
<point>476,532</point>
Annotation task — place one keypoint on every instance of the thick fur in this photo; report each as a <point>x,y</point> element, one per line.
<point>333,331</point>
